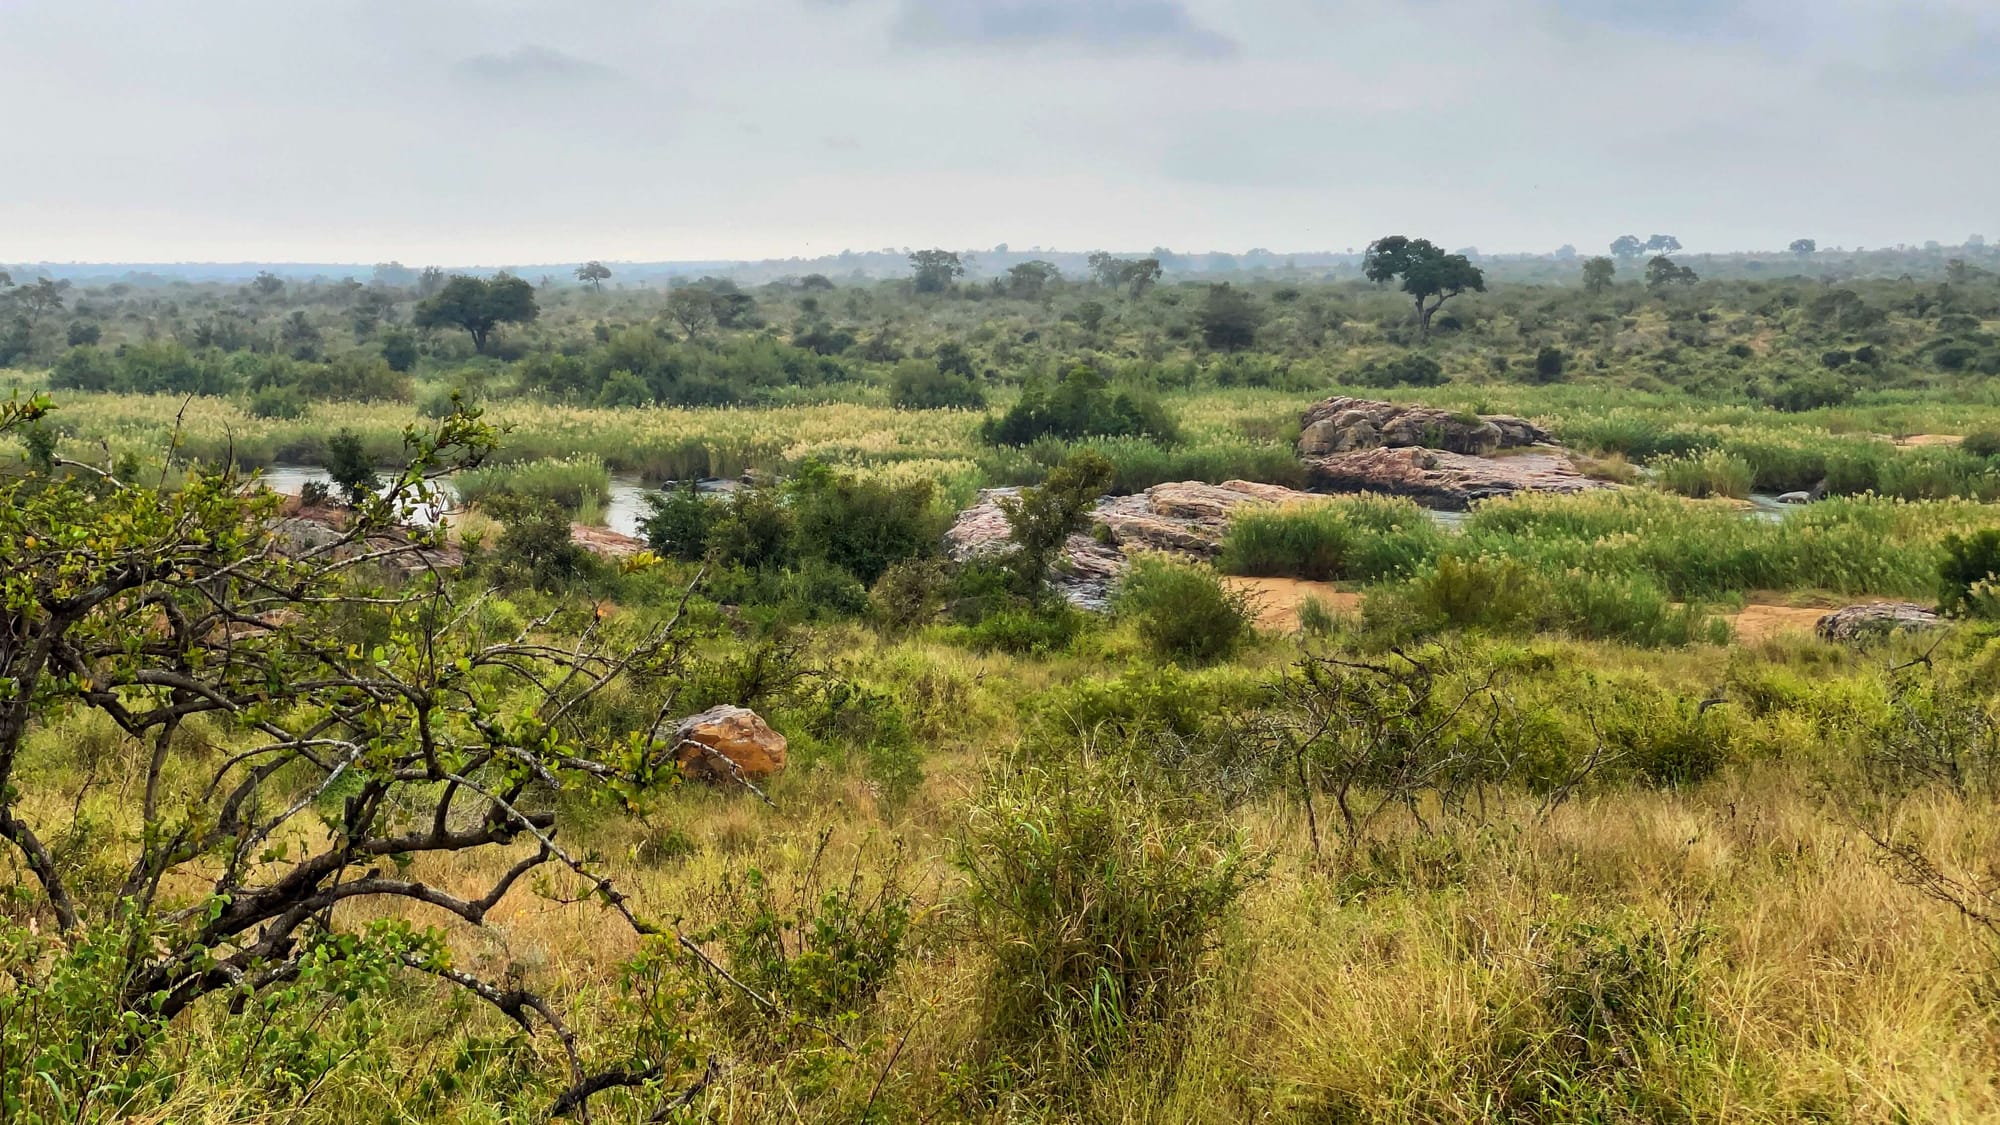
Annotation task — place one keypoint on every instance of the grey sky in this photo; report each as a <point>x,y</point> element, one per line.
<point>494,131</point>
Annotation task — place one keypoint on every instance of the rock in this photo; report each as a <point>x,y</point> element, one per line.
<point>1876,619</point>
<point>604,542</point>
<point>1795,498</point>
<point>728,744</point>
<point>1447,480</point>
<point>1344,425</point>
<point>316,529</point>
<point>1186,517</point>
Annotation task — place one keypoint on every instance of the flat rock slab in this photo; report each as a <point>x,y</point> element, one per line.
<point>1443,479</point>
<point>1186,517</point>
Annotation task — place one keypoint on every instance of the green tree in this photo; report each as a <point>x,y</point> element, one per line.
<point>1627,246</point>
<point>478,306</point>
<point>399,350</point>
<point>933,271</point>
<point>1229,318</point>
<point>1663,244</point>
<point>1030,279</point>
<point>1598,274</point>
<point>692,308</point>
<point>1663,271</point>
<point>1804,247</point>
<point>1429,275</point>
<point>1040,520</point>
<point>593,274</point>
<point>350,467</point>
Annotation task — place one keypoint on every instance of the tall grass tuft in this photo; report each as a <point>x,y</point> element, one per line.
<point>578,485</point>
<point>1363,538</point>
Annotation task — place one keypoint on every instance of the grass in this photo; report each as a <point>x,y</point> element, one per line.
<point>1720,951</point>
<point>576,484</point>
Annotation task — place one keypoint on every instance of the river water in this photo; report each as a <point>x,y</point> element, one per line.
<point>628,499</point>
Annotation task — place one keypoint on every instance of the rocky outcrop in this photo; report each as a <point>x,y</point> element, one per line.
<point>727,745</point>
<point>1876,619</point>
<point>1187,517</point>
<point>314,529</point>
<point>1447,480</point>
<point>1344,425</point>
<point>1436,457</point>
<point>604,542</point>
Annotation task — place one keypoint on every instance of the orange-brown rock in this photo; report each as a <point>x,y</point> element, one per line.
<point>727,744</point>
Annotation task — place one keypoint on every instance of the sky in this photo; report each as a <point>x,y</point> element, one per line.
<point>490,132</point>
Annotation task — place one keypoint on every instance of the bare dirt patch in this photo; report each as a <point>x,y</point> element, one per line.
<point>1914,441</point>
<point>1276,601</point>
<point>1761,622</point>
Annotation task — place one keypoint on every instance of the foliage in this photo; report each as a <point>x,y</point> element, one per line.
<point>1366,538</point>
<point>1079,404</point>
<point>1040,520</point>
<point>478,306</point>
<point>1428,274</point>
<point>1183,611</point>
<point>1101,913</point>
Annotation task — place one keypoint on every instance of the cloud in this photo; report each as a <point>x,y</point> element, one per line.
<point>1102,25</point>
<point>533,63</point>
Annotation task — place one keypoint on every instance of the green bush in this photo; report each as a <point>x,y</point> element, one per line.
<point>1183,611</point>
<point>1702,475</point>
<point>1970,562</point>
<point>917,385</point>
<point>1363,538</point>
<point>1080,404</point>
<point>1101,913</point>
<point>572,483</point>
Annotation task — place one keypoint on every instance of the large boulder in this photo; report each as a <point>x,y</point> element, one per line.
<point>1344,425</point>
<point>1876,619</point>
<point>728,744</point>
<point>1185,517</point>
<point>1446,480</point>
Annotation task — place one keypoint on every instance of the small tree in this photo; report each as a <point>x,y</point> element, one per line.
<point>1041,520</point>
<point>1627,246</point>
<point>478,306</point>
<point>1598,274</point>
<point>593,274</point>
<point>1804,247</point>
<point>1663,244</point>
<point>1429,275</point>
<point>935,270</point>
<point>350,467</point>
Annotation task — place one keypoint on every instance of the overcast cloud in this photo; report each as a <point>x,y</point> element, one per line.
<point>497,131</point>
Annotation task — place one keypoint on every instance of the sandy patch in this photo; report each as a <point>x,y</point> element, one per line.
<point>1760,622</point>
<point>1276,601</point>
<point>1918,440</point>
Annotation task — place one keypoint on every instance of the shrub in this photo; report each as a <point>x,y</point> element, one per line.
<point>1364,538</point>
<point>1029,630</point>
<point>862,524</point>
<point>1970,562</point>
<point>1411,370</point>
<point>1984,444</point>
<point>910,593</point>
<point>535,547</point>
<point>678,522</point>
<point>350,467</point>
<point>1102,912</point>
<point>1183,611</point>
<point>1704,475</point>
<point>1041,520</point>
<point>917,385</point>
<point>571,483</point>
<point>1079,404</point>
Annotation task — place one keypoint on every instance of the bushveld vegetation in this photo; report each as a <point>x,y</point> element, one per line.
<point>387,825</point>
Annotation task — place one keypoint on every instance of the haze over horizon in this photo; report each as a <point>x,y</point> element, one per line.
<point>517,131</point>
